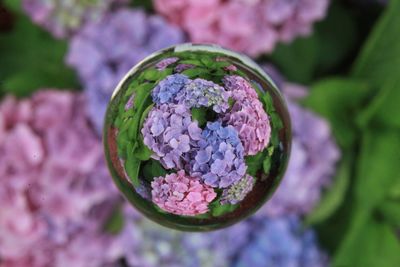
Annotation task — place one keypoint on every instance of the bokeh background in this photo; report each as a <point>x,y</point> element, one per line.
<point>336,61</point>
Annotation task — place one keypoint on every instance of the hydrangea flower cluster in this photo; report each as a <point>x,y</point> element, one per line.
<point>203,93</point>
<point>178,88</point>
<point>219,160</point>
<point>256,241</point>
<point>170,133</point>
<point>247,115</point>
<point>181,194</point>
<point>103,51</point>
<point>253,27</point>
<point>55,191</point>
<point>238,191</point>
<point>282,242</point>
<point>64,17</point>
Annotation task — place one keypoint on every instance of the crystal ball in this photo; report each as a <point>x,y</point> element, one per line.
<point>197,137</point>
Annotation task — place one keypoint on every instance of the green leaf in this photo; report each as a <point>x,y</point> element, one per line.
<point>335,99</point>
<point>150,75</point>
<point>142,152</point>
<point>164,73</point>
<point>153,168</point>
<point>378,168</point>
<point>298,59</point>
<point>334,197</point>
<point>199,114</point>
<point>218,210</point>
<point>390,211</point>
<point>132,167</point>
<point>194,73</point>
<point>371,244</point>
<point>255,163</point>
<point>267,165</point>
<point>379,60</point>
<point>31,59</point>
<point>384,109</point>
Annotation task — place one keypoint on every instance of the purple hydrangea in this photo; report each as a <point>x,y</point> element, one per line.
<point>167,89</point>
<point>203,93</point>
<point>238,191</point>
<point>64,17</point>
<point>312,164</point>
<point>103,51</point>
<point>162,64</point>
<point>219,159</point>
<point>145,243</point>
<point>281,242</point>
<point>171,134</point>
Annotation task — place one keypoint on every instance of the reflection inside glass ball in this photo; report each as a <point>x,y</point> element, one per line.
<point>197,137</point>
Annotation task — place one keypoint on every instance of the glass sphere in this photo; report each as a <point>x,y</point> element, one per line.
<point>197,137</point>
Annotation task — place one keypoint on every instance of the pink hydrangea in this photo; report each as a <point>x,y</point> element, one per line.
<point>247,115</point>
<point>251,26</point>
<point>55,191</point>
<point>182,195</point>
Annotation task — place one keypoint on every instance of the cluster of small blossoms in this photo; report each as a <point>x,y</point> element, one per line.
<point>182,195</point>
<point>179,89</point>
<point>219,160</point>
<point>103,51</point>
<point>170,133</point>
<point>238,191</point>
<point>247,115</point>
<point>55,194</point>
<point>63,17</point>
<point>250,26</point>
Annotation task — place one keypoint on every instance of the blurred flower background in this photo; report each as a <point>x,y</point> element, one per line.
<point>337,63</point>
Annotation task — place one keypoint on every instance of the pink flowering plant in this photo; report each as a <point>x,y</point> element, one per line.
<point>196,136</point>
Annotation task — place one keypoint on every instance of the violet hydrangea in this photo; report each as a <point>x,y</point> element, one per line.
<point>247,115</point>
<point>171,134</point>
<point>250,26</point>
<point>238,191</point>
<point>55,191</point>
<point>203,93</point>
<point>180,194</point>
<point>64,17</point>
<point>179,89</point>
<point>219,160</point>
<point>167,89</point>
<point>102,52</point>
<point>281,242</point>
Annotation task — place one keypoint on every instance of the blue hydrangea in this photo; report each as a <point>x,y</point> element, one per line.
<point>282,242</point>
<point>168,88</point>
<point>200,92</point>
<point>219,161</point>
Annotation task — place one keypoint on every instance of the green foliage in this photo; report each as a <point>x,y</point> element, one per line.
<point>151,169</point>
<point>335,99</point>
<point>200,114</point>
<point>31,59</point>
